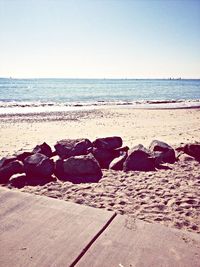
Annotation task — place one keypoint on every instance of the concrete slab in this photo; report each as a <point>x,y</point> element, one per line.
<point>40,231</point>
<point>130,243</point>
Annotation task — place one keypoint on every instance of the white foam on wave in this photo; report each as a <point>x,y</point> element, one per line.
<point>49,107</point>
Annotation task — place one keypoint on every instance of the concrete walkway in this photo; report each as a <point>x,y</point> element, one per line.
<point>45,232</point>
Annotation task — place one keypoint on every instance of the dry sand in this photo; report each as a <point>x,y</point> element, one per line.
<point>170,196</point>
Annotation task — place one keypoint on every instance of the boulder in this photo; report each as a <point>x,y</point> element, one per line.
<point>72,147</point>
<point>84,168</point>
<point>22,155</point>
<point>37,180</point>
<point>84,164</point>
<point>44,149</point>
<point>193,150</point>
<point>108,143</point>
<point>5,160</point>
<point>184,157</point>
<point>104,156</point>
<point>180,148</point>
<point>59,170</point>
<point>159,146</point>
<point>117,163</point>
<point>9,169</point>
<point>163,152</point>
<point>38,165</point>
<point>18,180</point>
<point>139,159</point>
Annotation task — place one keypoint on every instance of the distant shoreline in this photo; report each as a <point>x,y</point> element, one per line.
<point>87,78</point>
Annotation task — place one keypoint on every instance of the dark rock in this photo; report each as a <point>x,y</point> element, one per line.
<point>165,157</point>
<point>159,146</point>
<point>82,168</point>
<point>54,153</point>
<point>44,149</point>
<point>59,169</point>
<point>72,147</point>
<point>9,169</point>
<point>84,164</point>
<point>193,150</point>
<point>18,180</point>
<point>38,165</point>
<point>22,155</point>
<point>89,150</point>
<point>108,142</point>
<point>38,180</point>
<point>117,163</point>
<point>5,160</point>
<point>184,157</point>
<point>180,148</point>
<point>163,152</point>
<point>139,159</point>
<point>104,156</point>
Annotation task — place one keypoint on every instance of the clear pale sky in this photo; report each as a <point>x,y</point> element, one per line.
<point>100,38</point>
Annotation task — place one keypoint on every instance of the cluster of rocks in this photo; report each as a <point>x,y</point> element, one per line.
<point>80,160</point>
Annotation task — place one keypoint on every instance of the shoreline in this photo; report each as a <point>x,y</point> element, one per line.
<point>13,108</point>
<point>78,113</point>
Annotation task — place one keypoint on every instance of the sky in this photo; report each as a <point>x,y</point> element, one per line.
<point>100,38</point>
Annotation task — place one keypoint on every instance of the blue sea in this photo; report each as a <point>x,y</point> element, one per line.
<point>48,95</point>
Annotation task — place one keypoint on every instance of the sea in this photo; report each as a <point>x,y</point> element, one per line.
<point>54,95</point>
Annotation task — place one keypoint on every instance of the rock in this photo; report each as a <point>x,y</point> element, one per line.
<point>117,163</point>
<point>44,149</point>
<point>108,142</point>
<point>185,157</point>
<point>5,160</point>
<point>9,169</point>
<point>38,165</point>
<point>72,147</point>
<point>164,157</point>
<point>78,165</point>
<point>193,150</point>
<point>22,155</point>
<point>59,169</point>
<point>159,146</point>
<point>18,180</point>
<point>163,152</point>
<point>37,180</point>
<point>84,167</point>
<point>104,156</point>
<point>139,159</point>
<point>180,148</point>
<point>54,153</point>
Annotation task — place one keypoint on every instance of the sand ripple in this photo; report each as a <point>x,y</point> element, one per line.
<point>170,197</point>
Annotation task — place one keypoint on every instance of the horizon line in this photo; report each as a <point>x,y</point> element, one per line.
<point>104,78</point>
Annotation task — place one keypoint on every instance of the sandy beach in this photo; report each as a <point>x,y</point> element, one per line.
<point>170,197</point>
<point>135,126</point>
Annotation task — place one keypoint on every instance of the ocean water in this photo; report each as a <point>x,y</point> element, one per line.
<point>37,95</point>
